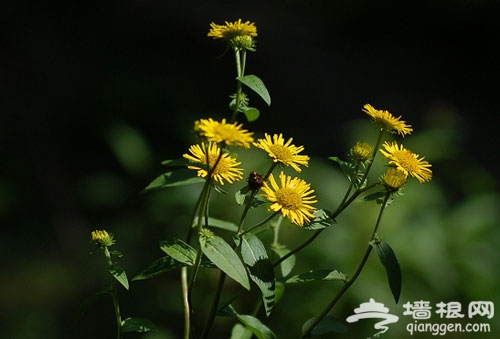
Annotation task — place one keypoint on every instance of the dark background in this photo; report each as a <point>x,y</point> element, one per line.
<point>96,95</point>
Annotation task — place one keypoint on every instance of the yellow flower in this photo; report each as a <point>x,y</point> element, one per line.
<point>282,152</point>
<point>230,134</point>
<point>232,29</point>
<point>293,197</point>
<point>226,168</point>
<point>361,151</point>
<point>387,121</point>
<point>394,178</point>
<point>407,161</point>
<point>102,238</point>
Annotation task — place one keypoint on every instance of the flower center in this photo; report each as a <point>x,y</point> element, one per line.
<point>289,198</point>
<point>282,153</point>
<point>406,160</point>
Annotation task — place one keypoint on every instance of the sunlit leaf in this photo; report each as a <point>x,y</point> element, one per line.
<point>257,85</point>
<point>251,113</point>
<point>179,250</point>
<point>391,264</point>
<point>241,332</point>
<point>225,258</point>
<point>133,324</point>
<point>260,330</point>
<point>327,325</point>
<point>178,177</point>
<point>260,268</point>
<point>317,275</point>
<point>119,274</point>
<point>321,220</point>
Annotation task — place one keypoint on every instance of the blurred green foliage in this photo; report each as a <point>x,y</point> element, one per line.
<point>95,99</point>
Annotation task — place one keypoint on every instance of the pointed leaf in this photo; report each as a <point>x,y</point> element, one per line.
<point>159,266</point>
<point>133,324</point>
<point>179,250</point>
<point>178,177</point>
<point>391,264</point>
<point>256,85</point>
<point>287,265</point>
<point>260,268</point>
<point>225,258</point>
<point>260,330</point>
<point>119,274</point>
<point>252,114</point>
<point>180,162</point>
<point>317,275</point>
<point>327,325</point>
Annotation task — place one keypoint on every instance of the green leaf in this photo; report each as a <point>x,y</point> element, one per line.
<point>244,194</point>
<point>374,196</point>
<point>321,220</point>
<point>180,162</point>
<point>179,250</point>
<point>119,274</point>
<point>252,114</point>
<point>391,264</point>
<point>279,291</point>
<point>327,325</point>
<point>225,258</point>
<point>260,330</point>
<point>159,266</point>
<point>133,324</point>
<point>178,177</point>
<point>287,265</point>
<point>222,224</point>
<point>255,84</point>
<point>260,268</point>
<point>317,275</point>
<point>241,332</point>
<point>348,170</point>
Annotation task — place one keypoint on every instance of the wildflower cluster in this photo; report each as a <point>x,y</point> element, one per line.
<point>213,162</point>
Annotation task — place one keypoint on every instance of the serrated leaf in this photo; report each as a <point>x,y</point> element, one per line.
<point>260,330</point>
<point>260,268</point>
<point>391,264</point>
<point>317,275</point>
<point>252,114</point>
<point>134,324</point>
<point>327,325</point>
<point>289,263</point>
<point>159,266</point>
<point>178,177</point>
<point>348,170</point>
<point>119,274</point>
<point>257,85</point>
<point>225,258</point>
<point>279,291</point>
<point>179,250</point>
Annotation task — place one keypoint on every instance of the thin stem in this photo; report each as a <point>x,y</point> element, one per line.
<point>185,298</point>
<point>356,274</point>
<point>263,222</point>
<point>240,71</point>
<point>114,294</point>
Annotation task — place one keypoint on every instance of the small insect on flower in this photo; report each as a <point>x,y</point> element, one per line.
<point>255,181</point>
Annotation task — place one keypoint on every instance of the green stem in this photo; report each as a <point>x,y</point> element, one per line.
<point>263,222</point>
<point>356,274</point>
<point>114,295</point>
<point>240,71</point>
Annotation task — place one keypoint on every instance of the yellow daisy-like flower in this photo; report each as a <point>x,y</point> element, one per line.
<point>231,134</point>
<point>407,161</point>
<point>361,151</point>
<point>102,238</point>
<point>394,179</point>
<point>226,168</point>
<point>293,198</point>
<point>282,152</point>
<point>232,29</point>
<point>387,121</point>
